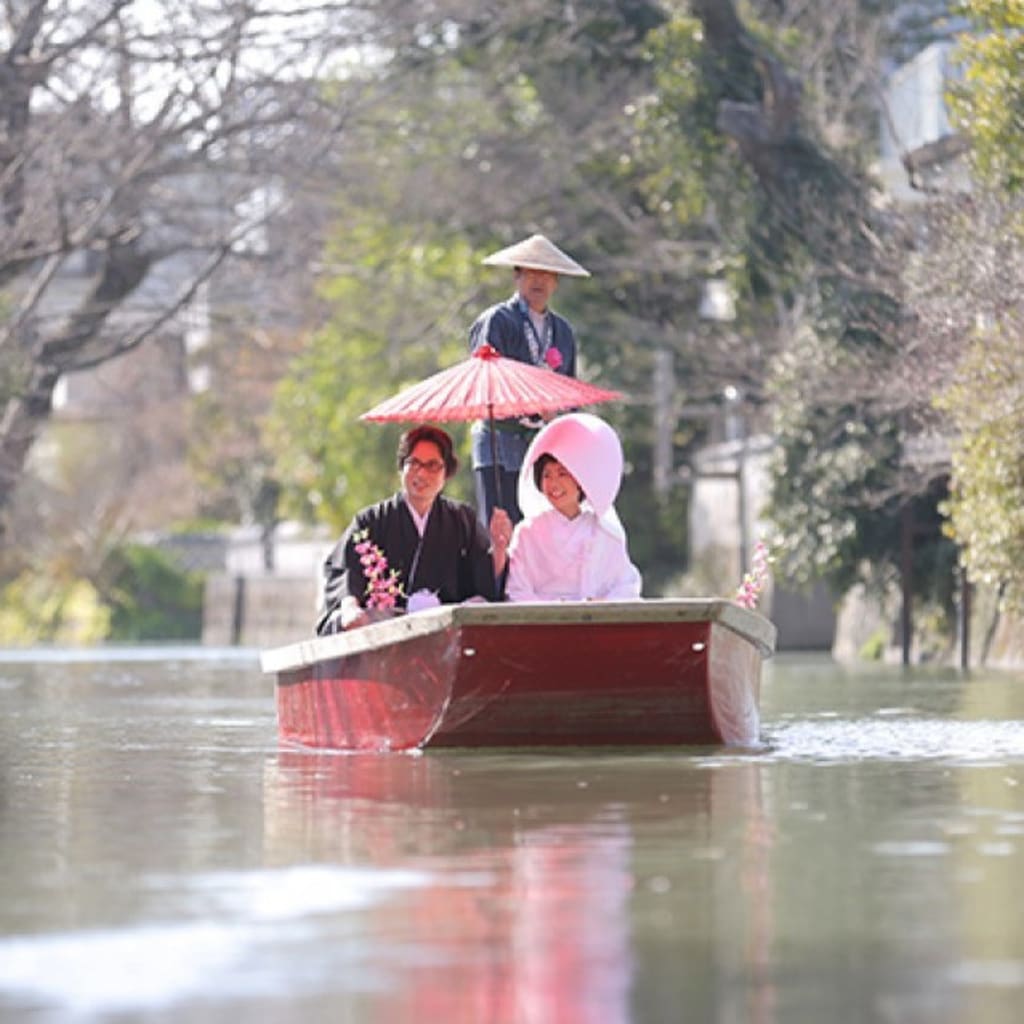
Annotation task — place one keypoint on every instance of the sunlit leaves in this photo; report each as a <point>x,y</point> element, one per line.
<point>396,318</point>
<point>988,106</point>
<point>832,495</point>
<point>986,510</point>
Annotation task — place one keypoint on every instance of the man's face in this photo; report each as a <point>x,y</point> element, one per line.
<point>536,287</point>
<point>423,475</point>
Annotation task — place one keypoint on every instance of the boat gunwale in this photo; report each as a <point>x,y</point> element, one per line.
<point>750,625</point>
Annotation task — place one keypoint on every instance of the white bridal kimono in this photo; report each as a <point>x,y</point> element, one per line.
<point>552,558</point>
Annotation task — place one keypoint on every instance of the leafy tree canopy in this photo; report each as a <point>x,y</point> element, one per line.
<point>986,509</point>
<point>396,304</point>
<point>988,105</point>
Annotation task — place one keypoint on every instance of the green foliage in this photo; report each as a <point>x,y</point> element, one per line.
<point>139,594</point>
<point>610,140</point>
<point>627,158</point>
<point>227,455</point>
<point>837,494</point>
<point>988,105</point>
<point>986,509</point>
<point>396,319</point>
<point>803,239</point>
<point>37,608</point>
<point>149,597</point>
<point>601,124</point>
<point>675,147</point>
<point>873,649</point>
<point>830,459</point>
<point>605,140</point>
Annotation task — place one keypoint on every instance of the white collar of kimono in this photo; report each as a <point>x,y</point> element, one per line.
<point>419,521</point>
<point>590,449</point>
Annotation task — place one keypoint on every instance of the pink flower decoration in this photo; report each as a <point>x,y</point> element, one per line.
<point>382,586</point>
<point>753,582</point>
<point>553,358</point>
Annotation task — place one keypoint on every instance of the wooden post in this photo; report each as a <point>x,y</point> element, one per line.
<point>741,502</point>
<point>965,621</point>
<point>663,388</point>
<point>238,611</point>
<point>906,578</point>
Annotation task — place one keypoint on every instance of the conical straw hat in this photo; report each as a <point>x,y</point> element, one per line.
<point>537,253</point>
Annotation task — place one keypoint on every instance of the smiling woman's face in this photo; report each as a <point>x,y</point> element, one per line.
<point>561,488</point>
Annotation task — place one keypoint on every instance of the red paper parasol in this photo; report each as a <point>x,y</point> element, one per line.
<point>488,386</point>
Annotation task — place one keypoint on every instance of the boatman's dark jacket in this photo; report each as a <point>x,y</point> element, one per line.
<point>503,326</point>
<point>454,560</point>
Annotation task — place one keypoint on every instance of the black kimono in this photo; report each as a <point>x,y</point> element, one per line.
<point>454,560</point>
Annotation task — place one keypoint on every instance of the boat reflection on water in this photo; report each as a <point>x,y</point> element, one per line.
<point>555,887</point>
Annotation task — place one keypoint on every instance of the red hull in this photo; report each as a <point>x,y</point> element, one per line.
<point>647,672</point>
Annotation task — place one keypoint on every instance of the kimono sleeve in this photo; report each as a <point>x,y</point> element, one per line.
<point>497,328</point>
<point>525,563</point>
<point>616,578</point>
<point>342,577</point>
<point>565,342</point>
<point>477,573</point>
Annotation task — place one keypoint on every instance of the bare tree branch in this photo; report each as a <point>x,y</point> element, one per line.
<point>130,140</point>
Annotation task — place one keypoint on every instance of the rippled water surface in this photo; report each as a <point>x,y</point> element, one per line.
<point>163,860</point>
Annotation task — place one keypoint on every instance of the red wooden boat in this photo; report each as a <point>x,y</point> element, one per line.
<point>508,675</point>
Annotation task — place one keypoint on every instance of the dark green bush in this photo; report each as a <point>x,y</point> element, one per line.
<point>150,597</point>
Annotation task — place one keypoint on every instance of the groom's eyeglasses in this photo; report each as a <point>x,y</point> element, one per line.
<point>434,466</point>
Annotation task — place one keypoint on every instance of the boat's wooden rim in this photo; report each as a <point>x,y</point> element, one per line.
<point>748,624</point>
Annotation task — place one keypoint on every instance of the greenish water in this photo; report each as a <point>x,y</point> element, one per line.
<point>163,860</point>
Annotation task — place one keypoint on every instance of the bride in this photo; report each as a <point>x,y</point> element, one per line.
<point>571,545</point>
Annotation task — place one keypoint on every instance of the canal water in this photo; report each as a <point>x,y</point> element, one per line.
<point>163,860</point>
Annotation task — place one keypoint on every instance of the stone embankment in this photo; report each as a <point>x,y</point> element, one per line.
<point>258,611</point>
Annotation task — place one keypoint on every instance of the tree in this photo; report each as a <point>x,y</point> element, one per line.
<point>987,104</point>
<point>827,256</point>
<point>986,509</point>
<point>503,130</point>
<point>396,318</point>
<point>662,143</point>
<point>666,144</point>
<point>971,296</point>
<point>133,138</point>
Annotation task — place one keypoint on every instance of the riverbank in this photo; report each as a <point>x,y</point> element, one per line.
<point>270,610</point>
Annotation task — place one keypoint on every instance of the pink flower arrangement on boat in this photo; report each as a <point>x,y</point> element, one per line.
<point>553,358</point>
<point>749,591</point>
<point>383,587</point>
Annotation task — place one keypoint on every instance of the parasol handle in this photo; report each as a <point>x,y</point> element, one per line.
<point>494,458</point>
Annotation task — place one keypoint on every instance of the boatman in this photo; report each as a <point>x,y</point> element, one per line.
<point>525,328</point>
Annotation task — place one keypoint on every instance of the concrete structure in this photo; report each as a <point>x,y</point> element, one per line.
<point>729,489</point>
<point>247,605</point>
<point>917,144</point>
